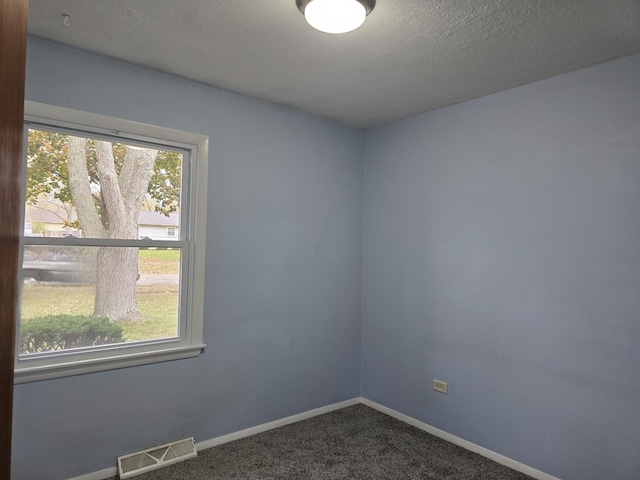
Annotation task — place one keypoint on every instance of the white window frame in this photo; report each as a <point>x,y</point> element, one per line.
<point>174,231</point>
<point>190,342</point>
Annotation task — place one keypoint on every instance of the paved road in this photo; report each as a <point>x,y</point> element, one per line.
<point>143,280</point>
<point>158,279</point>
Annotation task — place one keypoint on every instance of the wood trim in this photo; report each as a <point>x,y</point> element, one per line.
<point>13,43</point>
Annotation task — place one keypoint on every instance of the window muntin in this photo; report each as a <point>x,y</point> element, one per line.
<point>165,268</point>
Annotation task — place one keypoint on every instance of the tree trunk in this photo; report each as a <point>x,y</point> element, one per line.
<point>117,268</point>
<point>116,277</point>
<point>121,196</point>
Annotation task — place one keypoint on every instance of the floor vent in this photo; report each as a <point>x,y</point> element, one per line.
<point>156,457</point>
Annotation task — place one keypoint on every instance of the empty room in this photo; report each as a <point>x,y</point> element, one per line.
<point>238,225</point>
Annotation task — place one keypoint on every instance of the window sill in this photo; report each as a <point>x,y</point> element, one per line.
<point>25,373</point>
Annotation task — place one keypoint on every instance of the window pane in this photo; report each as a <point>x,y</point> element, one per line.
<point>92,188</point>
<point>68,290</point>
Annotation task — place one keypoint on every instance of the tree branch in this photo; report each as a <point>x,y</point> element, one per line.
<point>135,176</point>
<point>114,204</point>
<point>81,191</point>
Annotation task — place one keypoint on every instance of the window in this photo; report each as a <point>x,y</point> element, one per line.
<point>96,295</point>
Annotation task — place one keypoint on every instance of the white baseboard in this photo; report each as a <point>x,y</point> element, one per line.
<point>110,472</point>
<point>496,457</point>
<point>275,424</point>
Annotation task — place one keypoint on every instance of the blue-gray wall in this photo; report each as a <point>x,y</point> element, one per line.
<point>502,255</point>
<point>283,284</point>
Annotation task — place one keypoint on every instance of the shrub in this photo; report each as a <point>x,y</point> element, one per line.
<point>61,332</point>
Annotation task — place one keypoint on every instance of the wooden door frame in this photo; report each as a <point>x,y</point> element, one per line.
<point>13,42</point>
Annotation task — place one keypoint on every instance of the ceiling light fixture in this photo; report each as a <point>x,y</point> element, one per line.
<point>335,16</point>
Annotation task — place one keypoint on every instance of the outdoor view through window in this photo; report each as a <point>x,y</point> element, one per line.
<point>103,243</point>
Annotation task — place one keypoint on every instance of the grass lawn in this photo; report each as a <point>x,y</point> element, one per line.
<point>159,262</point>
<point>158,304</point>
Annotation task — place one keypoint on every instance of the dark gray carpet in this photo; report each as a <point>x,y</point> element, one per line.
<point>356,443</point>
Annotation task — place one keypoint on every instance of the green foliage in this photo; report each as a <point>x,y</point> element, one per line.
<point>164,187</point>
<point>48,172</point>
<point>62,332</point>
<point>38,227</point>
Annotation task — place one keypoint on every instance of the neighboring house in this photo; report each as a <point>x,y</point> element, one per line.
<point>49,221</point>
<point>158,226</point>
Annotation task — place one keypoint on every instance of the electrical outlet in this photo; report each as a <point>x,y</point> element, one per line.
<point>441,387</point>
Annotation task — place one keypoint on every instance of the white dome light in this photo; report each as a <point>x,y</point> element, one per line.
<point>335,16</point>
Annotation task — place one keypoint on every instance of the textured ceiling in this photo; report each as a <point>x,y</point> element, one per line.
<point>409,57</point>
